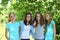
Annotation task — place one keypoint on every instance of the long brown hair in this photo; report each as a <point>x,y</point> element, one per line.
<point>46,21</point>
<point>9,19</point>
<point>25,21</point>
<point>41,19</point>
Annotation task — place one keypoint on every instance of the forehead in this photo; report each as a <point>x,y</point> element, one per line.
<point>38,15</point>
<point>47,14</point>
<point>11,14</point>
<point>28,15</point>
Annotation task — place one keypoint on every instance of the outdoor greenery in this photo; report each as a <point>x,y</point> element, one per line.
<point>20,7</point>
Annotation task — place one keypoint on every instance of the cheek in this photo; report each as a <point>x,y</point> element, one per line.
<point>13,18</point>
<point>48,18</point>
<point>28,18</point>
<point>38,17</point>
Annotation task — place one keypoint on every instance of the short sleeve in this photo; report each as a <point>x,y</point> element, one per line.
<point>20,23</point>
<point>7,26</point>
<point>53,22</point>
<point>32,31</point>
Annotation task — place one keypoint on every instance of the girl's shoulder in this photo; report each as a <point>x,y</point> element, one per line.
<point>8,23</point>
<point>52,22</point>
<point>21,21</point>
<point>17,23</point>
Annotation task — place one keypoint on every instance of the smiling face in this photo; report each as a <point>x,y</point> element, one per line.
<point>47,16</point>
<point>38,17</point>
<point>28,17</point>
<point>12,16</point>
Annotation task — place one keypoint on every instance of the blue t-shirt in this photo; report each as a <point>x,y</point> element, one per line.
<point>50,32</point>
<point>13,29</point>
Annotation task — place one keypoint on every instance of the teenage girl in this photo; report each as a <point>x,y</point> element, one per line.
<point>26,27</point>
<point>50,28</point>
<point>12,28</point>
<point>38,24</point>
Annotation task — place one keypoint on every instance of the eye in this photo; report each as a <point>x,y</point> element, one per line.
<point>11,16</point>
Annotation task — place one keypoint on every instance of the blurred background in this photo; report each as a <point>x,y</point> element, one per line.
<point>19,7</point>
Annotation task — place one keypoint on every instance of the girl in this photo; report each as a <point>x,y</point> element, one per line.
<point>12,27</point>
<point>38,23</point>
<point>26,27</point>
<point>50,28</point>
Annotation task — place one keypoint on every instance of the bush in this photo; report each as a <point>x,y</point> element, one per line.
<point>22,6</point>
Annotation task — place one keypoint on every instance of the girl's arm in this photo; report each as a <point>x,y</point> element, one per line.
<point>19,32</point>
<point>54,31</point>
<point>6,33</point>
<point>32,31</point>
<point>45,29</point>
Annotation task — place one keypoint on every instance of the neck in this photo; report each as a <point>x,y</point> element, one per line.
<point>48,21</point>
<point>12,21</point>
<point>27,22</point>
<point>38,21</point>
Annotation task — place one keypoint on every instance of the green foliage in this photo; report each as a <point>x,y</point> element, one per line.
<point>33,6</point>
<point>4,2</point>
<point>57,37</point>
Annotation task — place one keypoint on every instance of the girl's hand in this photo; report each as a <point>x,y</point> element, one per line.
<point>54,31</point>
<point>34,24</point>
